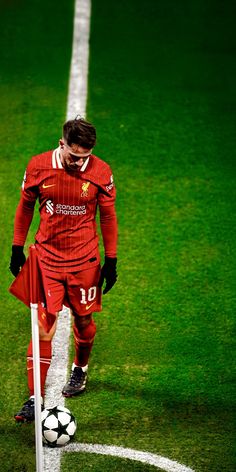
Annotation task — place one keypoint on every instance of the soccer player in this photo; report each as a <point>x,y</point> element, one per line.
<point>69,182</point>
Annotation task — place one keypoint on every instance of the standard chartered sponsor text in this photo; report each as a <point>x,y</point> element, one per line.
<point>70,209</point>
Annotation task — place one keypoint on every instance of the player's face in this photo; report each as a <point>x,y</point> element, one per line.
<point>73,156</point>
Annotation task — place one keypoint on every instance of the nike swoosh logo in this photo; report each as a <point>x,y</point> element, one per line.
<point>89,306</point>
<point>47,186</point>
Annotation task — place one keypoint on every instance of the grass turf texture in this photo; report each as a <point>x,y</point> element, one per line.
<point>96,463</point>
<point>161,93</point>
<point>36,39</point>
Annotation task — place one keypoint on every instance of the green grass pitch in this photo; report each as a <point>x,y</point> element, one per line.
<point>162,96</point>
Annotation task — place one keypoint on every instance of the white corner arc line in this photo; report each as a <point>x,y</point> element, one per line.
<point>126,453</point>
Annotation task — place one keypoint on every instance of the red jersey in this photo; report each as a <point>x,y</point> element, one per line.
<point>67,239</point>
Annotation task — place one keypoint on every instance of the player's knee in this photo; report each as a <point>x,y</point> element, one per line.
<point>82,321</point>
<point>84,332</point>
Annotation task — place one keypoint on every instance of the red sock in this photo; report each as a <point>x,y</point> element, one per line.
<point>45,349</point>
<point>84,338</point>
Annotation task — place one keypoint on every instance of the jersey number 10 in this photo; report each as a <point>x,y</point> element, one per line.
<point>91,295</point>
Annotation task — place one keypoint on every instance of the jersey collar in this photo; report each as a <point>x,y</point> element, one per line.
<point>83,167</point>
<point>56,161</point>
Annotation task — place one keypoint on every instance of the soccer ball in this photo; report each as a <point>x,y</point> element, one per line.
<point>58,426</point>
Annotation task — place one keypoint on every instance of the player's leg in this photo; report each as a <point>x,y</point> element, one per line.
<point>26,414</point>
<point>45,353</point>
<point>57,292</point>
<point>84,297</point>
<point>84,329</point>
<point>84,333</point>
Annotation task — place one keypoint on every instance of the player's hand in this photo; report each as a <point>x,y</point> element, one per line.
<point>17,260</point>
<point>108,273</point>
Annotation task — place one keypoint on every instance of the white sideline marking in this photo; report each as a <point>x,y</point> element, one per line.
<point>56,379</point>
<point>77,97</point>
<point>76,104</point>
<point>127,453</point>
<point>57,373</point>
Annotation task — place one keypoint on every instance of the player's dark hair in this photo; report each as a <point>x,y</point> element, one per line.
<point>81,132</point>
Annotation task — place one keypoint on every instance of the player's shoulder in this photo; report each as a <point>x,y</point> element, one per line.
<point>100,173</point>
<point>98,167</point>
<point>40,161</point>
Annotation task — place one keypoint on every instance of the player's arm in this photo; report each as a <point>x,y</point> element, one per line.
<point>108,224</point>
<point>23,218</point>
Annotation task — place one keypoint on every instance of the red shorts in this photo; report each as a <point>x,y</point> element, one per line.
<point>78,290</point>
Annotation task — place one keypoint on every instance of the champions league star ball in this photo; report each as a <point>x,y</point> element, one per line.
<point>58,426</point>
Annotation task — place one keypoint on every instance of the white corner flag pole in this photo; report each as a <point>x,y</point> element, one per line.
<point>37,386</point>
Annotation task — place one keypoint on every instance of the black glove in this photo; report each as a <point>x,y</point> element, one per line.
<point>108,273</point>
<point>17,259</point>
